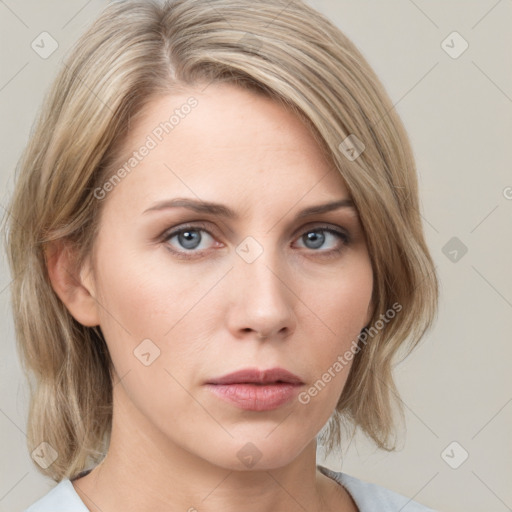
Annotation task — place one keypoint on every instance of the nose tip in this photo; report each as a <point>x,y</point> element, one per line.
<point>262,304</point>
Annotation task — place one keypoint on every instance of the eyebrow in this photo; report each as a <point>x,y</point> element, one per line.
<point>224,211</point>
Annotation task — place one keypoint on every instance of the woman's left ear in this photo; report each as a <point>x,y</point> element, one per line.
<point>74,286</point>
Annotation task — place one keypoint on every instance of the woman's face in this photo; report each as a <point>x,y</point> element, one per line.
<point>179,310</point>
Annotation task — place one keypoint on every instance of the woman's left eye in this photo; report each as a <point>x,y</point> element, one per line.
<point>316,237</point>
<point>190,238</point>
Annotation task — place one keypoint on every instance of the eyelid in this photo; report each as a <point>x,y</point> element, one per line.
<point>312,226</point>
<point>197,225</point>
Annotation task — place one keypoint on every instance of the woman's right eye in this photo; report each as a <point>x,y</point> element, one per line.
<point>187,240</point>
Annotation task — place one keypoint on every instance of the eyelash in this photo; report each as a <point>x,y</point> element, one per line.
<point>193,254</point>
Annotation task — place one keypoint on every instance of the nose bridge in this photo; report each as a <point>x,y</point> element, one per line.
<point>263,301</point>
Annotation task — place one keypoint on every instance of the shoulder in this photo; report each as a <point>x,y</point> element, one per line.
<point>369,497</point>
<point>62,498</point>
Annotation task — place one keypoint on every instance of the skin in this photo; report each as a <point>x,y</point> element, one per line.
<point>174,444</point>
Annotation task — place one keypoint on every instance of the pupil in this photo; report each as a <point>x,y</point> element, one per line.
<point>316,238</point>
<point>190,239</point>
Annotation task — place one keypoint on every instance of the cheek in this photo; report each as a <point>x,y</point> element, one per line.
<point>339,311</point>
<point>143,297</point>
<point>149,314</point>
<point>345,309</point>
<point>344,302</point>
<point>142,310</point>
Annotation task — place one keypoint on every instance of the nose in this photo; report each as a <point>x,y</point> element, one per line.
<point>261,301</point>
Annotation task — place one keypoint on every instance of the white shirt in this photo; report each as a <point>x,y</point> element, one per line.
<point>368,497</point>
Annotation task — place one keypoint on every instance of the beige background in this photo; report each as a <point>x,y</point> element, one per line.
<point>458,111</point>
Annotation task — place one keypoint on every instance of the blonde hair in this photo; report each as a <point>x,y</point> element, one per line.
<point>135,51</point>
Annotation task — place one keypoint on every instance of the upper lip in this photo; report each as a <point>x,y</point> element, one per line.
<point>253,375</point>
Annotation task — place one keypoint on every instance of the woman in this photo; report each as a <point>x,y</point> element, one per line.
<point>218,249</point>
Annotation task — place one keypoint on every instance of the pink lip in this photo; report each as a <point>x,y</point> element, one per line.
<point>255,397</point>
<point>255,376</point>
<point>256,390</point>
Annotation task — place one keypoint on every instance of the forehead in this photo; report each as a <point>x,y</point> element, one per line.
<point>223,144</point>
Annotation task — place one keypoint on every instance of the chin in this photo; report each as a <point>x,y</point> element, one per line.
<point>257,452</point>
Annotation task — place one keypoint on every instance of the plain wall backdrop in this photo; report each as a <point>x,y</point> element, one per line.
<point>456,104</point>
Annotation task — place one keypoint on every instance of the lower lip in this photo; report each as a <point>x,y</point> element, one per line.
<point>254,397</point>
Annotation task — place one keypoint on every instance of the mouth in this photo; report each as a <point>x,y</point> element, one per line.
<point>256,390</point>
<point>258,377</point>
